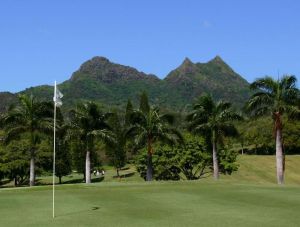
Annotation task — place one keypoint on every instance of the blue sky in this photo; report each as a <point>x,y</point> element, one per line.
<point>41,41</point>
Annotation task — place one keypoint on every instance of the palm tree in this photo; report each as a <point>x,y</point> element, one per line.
<point>149,126</point>
<point>116,148</point>
<point>117,145</point>
<point>63,156</point>
<point>275,97</point>
<point>30,118</point>
<point>214,121</point>
<point>88,123</point>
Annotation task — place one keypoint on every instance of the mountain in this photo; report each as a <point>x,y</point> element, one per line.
<point>215,77</point>
<point>6,99</point>
<point>112,84</point>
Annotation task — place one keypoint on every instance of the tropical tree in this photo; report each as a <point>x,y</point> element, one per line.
<point>275,97</point>
<point>149,126</point>
<point>32,118</point>
<point>63,156</point>
<point>88,123</point>
<point>14,163</point>
<point>116,147</point>
<point>213,121</point>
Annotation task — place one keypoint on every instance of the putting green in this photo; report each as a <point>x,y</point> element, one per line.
<point>199,203</point>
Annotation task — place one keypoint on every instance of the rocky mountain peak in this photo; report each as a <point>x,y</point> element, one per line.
<point>217,59</point>
<point>187,66</point>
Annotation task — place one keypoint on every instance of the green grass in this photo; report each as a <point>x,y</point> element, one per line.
<point>249,197</point>
<point>155,204</point>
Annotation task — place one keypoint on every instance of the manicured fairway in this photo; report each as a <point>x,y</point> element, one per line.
<point>155,204</point>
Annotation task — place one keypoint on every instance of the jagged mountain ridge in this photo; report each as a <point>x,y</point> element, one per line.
<point>214,77</point>
<point>109,83</point>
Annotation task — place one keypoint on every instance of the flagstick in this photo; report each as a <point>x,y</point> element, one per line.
<point>54,144</point>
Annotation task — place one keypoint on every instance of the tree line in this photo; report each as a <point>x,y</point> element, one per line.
<point>165,147</point>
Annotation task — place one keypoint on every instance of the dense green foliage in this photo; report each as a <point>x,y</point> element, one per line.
<point>63,159</point>
<point>189,161</point>
<point>256,136</point>
<point>14,163</point>
<point>116,148</point>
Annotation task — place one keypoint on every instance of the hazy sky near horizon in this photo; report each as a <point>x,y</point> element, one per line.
<point>41,41</point>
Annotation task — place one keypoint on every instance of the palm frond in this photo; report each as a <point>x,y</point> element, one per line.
<point>222,105</point>
<point>202,129</point>
<point>293,112</point>
<point>288,82</point>
<point>137,117</point>
<point>168,118</point>
<point>140,139</point>
<point>266,84</point>
<point>104,135</point>
<point>230,115</point>
<point>227,129</point>
<point>259,100</point>
<point>14,133</point>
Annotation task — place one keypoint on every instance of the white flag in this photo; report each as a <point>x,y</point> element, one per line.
<point>57,97</point>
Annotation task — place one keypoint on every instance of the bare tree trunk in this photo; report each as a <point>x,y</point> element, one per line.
<point>215,161</point>
<point>149,167</point>
<point>59,179</point>
<point>149,175</point>
<point>88,168</point>
<point>32,171</point>
<point>279,157</point>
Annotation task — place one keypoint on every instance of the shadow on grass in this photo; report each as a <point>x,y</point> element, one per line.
<point>78,181</point>
<point>40,182</point>
<point>4,183</point>
<point>126,175</point>
<point>96,180</point>
<point>78,212</point>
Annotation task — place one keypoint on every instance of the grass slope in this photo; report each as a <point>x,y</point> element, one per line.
<point>252,169</point>
<point>262,169</point>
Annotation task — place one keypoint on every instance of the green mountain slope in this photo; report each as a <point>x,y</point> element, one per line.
<point>6,99</point>
<point>190,80</point>
<point>109,83</point>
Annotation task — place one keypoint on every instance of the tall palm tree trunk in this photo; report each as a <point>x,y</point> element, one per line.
<point>215,161</point>
<point>215,157</point>
<point>88,168</point>
<point>32,171</point>
<point>279,157</point>
<point>149,175</point>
